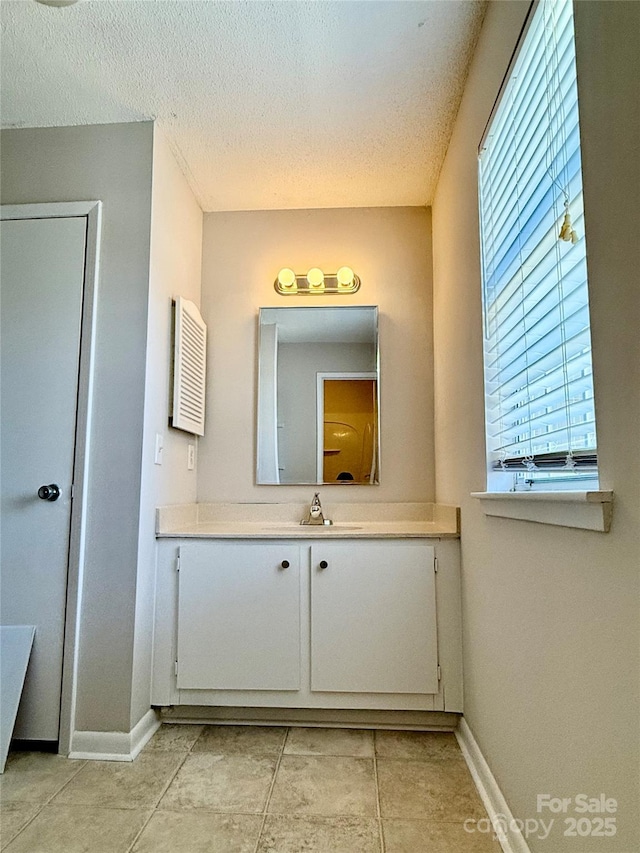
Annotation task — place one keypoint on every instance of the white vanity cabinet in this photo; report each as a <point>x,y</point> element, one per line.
<point>373,618</point>
<point>262,623</point>
<point>238,616</point>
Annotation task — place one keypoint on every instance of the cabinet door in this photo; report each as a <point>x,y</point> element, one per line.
<point>239,616</point>
<point>373,618</point>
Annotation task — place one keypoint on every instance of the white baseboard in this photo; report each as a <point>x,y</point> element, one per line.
<point>510,838</point>
<point>115,746</point>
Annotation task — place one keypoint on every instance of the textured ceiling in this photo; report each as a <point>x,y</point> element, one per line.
<point>266,104</point>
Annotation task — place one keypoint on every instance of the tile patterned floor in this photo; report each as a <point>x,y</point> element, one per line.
<point>247,789</point>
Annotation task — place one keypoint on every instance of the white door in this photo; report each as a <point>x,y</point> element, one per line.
<point>239,616</point>
<point>42,276</point>
<point>373,618</point>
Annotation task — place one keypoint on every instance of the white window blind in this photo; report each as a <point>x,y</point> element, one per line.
<point>537,355</point>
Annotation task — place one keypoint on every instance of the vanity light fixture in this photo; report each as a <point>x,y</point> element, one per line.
<point>316,281</point>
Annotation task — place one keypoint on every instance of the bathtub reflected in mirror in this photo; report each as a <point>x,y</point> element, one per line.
<point>318,396</point>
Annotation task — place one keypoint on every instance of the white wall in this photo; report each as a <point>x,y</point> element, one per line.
<point>111,163</point>
<point>551,617</point>
<point>390,249</point>
<point>175,270</point>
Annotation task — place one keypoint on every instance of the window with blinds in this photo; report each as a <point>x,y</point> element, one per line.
<point>537,346</point>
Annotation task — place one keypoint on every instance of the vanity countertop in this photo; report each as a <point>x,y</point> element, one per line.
<point>282,521</point>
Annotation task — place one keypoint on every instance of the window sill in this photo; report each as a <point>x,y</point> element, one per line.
<point>584,510</point>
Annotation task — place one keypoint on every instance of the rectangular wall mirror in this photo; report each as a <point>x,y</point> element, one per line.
<point>318,396</point>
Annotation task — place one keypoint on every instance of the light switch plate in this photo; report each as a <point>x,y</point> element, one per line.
<point>159,448</point>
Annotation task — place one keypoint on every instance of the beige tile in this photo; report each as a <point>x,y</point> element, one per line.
<point>34,777</point>
<point>172,737</point>
<point>80,829</point>
<point>436,790</point>
<point>419,836</point>
<point>122,784</point>
<point>417,746</point>
<point>312,741</point>
<point>222,783</point>
<point>199,832</point>
<point>13,818</point>
<point>285,834</point>
<point>326,785</point>
<point>241,740</point>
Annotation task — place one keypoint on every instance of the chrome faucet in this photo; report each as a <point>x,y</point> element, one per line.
<point>316,516</point>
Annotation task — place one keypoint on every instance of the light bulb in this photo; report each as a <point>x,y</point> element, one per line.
<point>345,277</point>
<point>315,277</point>
<point>287,279</point>
<point>57,3</point>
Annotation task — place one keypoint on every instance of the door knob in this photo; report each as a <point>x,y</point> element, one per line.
<point>285,564</point>
<point>49,493</point>
<point>323,564</point>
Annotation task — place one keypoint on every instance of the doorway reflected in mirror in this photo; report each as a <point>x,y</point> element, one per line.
<point>348,407</point>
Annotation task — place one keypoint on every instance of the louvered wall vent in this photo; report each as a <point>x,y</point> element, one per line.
<point>189,368</point>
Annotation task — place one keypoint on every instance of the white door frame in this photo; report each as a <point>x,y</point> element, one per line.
<point>320,379</point>
<point>92,212</point>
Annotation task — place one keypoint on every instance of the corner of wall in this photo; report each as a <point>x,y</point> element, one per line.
<point>174,270</point>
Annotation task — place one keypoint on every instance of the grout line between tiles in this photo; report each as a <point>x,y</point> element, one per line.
<point>270,792</point>
<point>140,831</point>
<point>28,823</point>
<point>69,780</point>
<point>173,776</point>
<point>378,811</point>
<point>154,808</point>
<point>48,801</point>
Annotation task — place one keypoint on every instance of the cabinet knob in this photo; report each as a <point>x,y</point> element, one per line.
<point>323,564</point>
<point>285,564</point>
